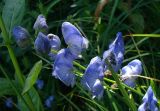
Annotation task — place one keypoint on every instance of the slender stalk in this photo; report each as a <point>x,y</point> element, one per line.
<point>129,102</point>
<point>15,63</point>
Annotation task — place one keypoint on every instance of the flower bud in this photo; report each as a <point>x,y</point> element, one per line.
<point>40,24</point>
<point>21,36</point>
<point>42,44</point>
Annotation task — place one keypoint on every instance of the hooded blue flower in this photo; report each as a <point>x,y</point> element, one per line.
<point>40,24</point>
<point>74,39</point>
<point>149,101</point>
<point>115,53</point>
<point>63,67</point>
<point>128,72</point>
<point>40,83</point>
<point>48,101</point>
<point>42,44</point>
<point>55,45</point>
<point>9,102</point>
<point>21,36</point>
<point>93,76</point>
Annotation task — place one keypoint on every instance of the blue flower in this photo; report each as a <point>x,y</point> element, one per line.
<point>149,101</point>
<point>63,67</point>
<point>42,44</point>
<point>21,36</point>
<point>55,45</point>
<point>40,24</point>
<point>9,102</point>
<point>49,101</point>
<point>115,53</point>
<point>74,39</point>
<point>40,83</point>
<point>128,72</point>
<point>93,76</point>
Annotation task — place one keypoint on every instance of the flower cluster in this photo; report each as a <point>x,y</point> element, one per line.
<point>63,68</point>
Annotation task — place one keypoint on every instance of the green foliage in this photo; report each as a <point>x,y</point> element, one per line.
<point>138,20</point>
<point>5,88</point>
<point>13,12</point>
<point>32,76</point>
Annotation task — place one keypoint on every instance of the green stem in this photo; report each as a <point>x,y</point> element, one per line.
<point>129,102</point>
<point>15,63</point>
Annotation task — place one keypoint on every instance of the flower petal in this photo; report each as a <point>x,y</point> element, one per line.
<point>74,39</point>
<point>21,36</point>
<point>115,52</point>
<point>40,24</point>
<point>55,45</point>
<point>149,101</point>
<point>42,44</point>
<point>63,67</point>
<point>92,77</point>
<point>133,68</point>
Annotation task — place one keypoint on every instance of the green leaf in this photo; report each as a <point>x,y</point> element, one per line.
<point>22,105</point>
<point>13,12</point>
<point>36,100</point>
<point>32,77</point>
<point>5,88</point>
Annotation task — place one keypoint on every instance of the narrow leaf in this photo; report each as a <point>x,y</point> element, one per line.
<point>32,77</point>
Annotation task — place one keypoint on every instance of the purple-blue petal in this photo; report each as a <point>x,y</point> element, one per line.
<point>40,83</point>
<point>9,102</point>
<point>55,45</point>
<point>63,67</point>
<point>128,72</point>
<point>21,36</point>
<point>42,44</point>
<point>92,77</point>
<point>48,101</point>
<point>149,101</point>
<point>40,24</point>
<point>115,53</point>
<point>74,39</point>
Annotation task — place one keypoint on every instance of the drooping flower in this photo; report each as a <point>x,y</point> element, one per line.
<point>42,44</point>
<point>115,53</point>
<point>9,103</point>
<point>149,101</point>
<point>40,83</point>
<point>48,101</point>
<point>55,45</point>
<point>63,67</point>
<point>40,24</point>
<point>130,71</point>
<point>21,36</point>
<point>93,76</point>
<point>74,39</point>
